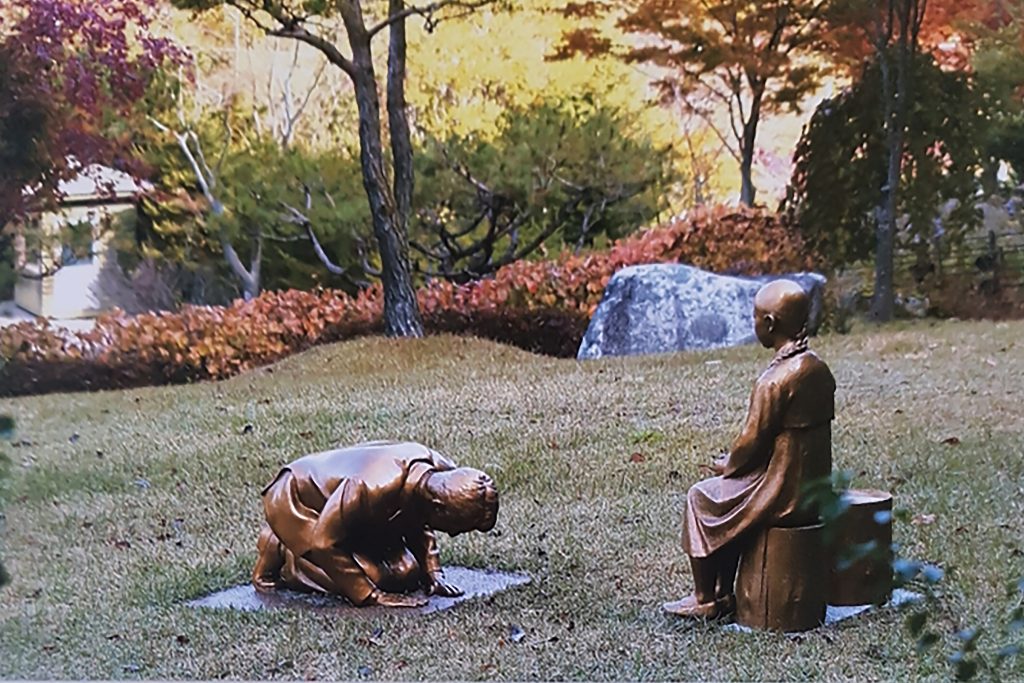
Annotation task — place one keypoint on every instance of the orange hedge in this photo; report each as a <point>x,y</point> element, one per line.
<point>543,306</point>
<point>719,239</point>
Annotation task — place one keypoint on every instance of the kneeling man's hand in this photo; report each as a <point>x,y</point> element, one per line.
<point>396,600</point>
<point>438,586</point>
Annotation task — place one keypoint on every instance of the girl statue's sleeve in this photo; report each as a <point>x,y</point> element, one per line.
<point>753,447</point>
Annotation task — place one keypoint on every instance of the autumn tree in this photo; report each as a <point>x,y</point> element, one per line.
<point>901,37</point>
<point>998,64</point>
<point>844,149</point>
<point>389,187</point>
<point>748,59</point>
<point>892,30</point>
<point>71,75</point>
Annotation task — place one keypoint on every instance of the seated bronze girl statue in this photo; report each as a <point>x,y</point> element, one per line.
<point>785,444</point>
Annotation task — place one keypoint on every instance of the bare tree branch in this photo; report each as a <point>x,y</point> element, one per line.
<point>427,12</point>
<point>302,219</point>
<point>500,243</point>
<point>250,277</point>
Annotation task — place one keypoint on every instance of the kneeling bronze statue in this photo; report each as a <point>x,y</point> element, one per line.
<point>359,522</point>
<point>785,444</point>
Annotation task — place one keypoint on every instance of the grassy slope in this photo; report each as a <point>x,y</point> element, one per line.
<point>101,559</point>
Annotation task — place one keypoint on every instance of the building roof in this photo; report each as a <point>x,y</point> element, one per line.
<point>100,182</point>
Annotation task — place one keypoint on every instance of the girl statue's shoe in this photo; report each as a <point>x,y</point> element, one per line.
<point>690,608</point>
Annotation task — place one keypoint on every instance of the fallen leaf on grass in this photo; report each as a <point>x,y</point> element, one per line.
<point>637,457</point>
<point>923,520</point>
<point>951,441</point>
<point>516,634</point>
<point>182,639</point>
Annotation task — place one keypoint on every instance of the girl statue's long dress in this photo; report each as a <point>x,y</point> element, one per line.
<point>785,444</point>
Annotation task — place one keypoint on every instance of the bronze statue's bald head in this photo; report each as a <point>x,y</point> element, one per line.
<point>463,499</point>
<point>781,308</point>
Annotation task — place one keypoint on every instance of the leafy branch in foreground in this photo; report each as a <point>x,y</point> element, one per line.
<point>967,660</point>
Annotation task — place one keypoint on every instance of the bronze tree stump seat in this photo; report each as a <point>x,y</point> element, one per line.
<point>782,581</point>
<point>861,565</point>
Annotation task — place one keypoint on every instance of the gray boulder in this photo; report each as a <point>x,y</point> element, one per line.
<point>670,307</point>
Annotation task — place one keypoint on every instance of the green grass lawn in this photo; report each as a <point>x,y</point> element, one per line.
<point>121,505</point>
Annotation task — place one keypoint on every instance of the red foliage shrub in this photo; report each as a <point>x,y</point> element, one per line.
<point>719,239</point>
<point>196,343</point>
<point>541,306</point>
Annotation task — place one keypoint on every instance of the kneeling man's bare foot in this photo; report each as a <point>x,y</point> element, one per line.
<point>689,607</point>
<point>383,599</point>
<point>264,584</point>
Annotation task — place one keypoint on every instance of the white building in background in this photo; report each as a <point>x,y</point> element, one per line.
<point>62,277</point>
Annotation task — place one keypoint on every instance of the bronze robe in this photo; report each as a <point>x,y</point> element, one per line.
<point>785,443</point>
<point>354,508</point>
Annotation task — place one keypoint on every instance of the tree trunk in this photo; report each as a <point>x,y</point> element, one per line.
<point>896,106</point>
<point>401,310</point>
<point>747,189</point>
<point>747,148</point>
<point>249,279</point>
<point>398,119</point>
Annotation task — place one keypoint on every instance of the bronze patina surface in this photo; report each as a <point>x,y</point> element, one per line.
<point>781,584</point>
<point>867,522</point>
<point>784,444</point>
<point>360,522</point>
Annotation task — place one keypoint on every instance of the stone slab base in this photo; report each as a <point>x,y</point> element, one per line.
<point>836,613</point>
<point>476,582</point>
